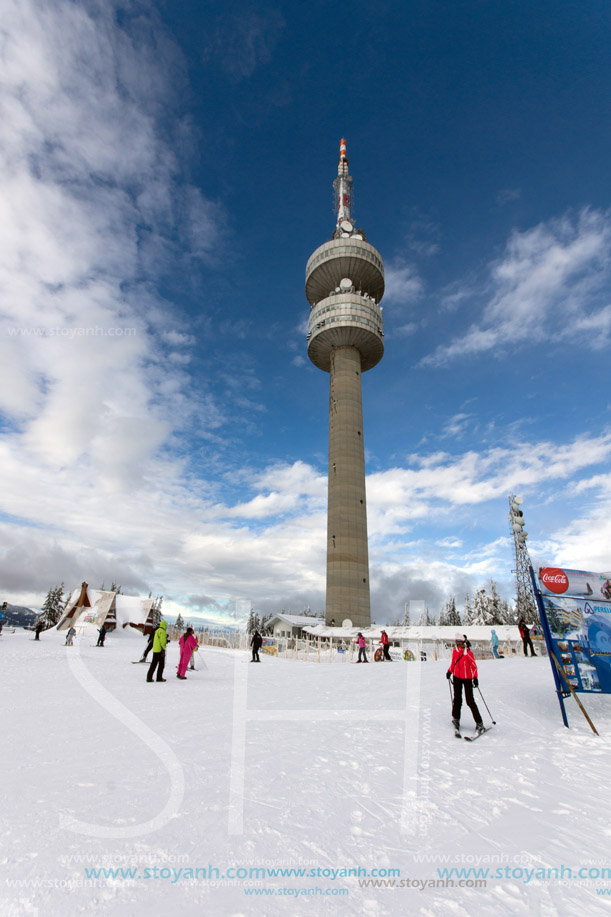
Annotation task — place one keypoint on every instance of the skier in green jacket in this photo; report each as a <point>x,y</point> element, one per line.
<point>159,644</point>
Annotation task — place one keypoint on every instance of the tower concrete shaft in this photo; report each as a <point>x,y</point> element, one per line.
<point>347,550</point>
<point>344,285</point>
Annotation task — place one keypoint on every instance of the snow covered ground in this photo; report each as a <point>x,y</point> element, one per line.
<point>291,765</point>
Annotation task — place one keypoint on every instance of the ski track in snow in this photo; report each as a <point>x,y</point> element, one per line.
<point>379,783</point>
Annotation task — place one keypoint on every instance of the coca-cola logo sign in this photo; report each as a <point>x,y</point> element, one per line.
<point>554,579</point>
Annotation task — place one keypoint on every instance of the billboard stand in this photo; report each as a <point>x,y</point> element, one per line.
<point>562,693</point>
<point>570,687</point>
<point>557,669</point>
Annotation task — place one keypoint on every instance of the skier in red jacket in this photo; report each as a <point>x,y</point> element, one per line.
<point>385,646</point>
<point>525,635</point>
<point>464,670</point>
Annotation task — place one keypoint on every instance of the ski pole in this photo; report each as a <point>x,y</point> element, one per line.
<point>451,695</point>
<point>486,705</point>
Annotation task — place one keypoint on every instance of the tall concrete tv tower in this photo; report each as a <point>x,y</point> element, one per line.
<point>344,285</point>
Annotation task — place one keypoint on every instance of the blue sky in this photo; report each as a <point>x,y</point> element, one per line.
<point>166,171</point>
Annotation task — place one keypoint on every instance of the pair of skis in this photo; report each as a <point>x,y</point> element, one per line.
<point>458,734</point>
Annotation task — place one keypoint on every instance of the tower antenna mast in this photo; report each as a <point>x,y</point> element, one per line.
<point>343,186</point>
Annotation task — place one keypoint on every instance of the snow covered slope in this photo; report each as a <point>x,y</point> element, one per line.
<point>292,766</point>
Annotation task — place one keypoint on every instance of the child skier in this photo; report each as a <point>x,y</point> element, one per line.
<point>187,644</point>
<point>464,670</point>
<point>362,643</point>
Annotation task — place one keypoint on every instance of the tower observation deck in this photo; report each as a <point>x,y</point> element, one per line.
<point>344,286</point>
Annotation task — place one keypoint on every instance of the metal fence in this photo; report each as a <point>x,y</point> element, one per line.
<point>343,650</point>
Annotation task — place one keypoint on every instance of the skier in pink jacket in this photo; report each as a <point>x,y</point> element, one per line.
<point>187,644</point>
<point>361,643</point>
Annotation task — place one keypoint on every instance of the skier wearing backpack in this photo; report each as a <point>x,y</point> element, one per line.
<point>464,671</point>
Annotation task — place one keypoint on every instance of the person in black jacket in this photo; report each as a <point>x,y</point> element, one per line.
<point>149,645</point>
<point>256,644</point>
<point>525,635</point>
<point>102,637</point>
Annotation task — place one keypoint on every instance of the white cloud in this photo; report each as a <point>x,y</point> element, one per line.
<point>177,338</point>
<point>200,221</point>
<point>298,477</point>
<point>456,426</point>
<point>441,482</point>
<point>549,285</point>
<point>402,283</point>
<point>89,188</point>
<point>174,532</point>
<point>405,330</point>
<point>450,542</point>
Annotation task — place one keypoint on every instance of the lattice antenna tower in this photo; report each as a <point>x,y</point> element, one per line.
<point>526,603</point>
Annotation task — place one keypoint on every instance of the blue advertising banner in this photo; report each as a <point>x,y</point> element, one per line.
<point>575,611</point>
<point>580,632</point>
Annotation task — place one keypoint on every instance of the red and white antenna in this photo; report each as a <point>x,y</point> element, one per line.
<point>343,187</point>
